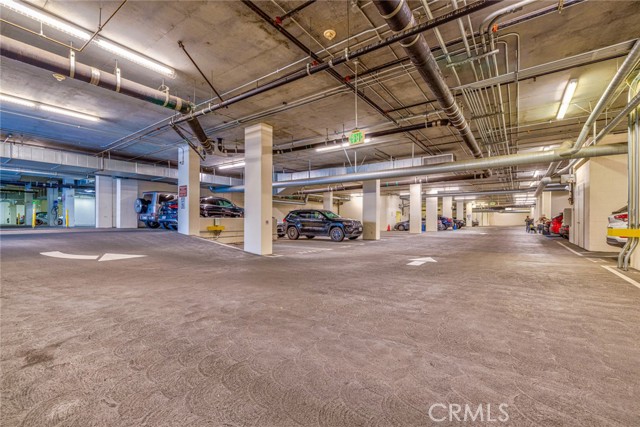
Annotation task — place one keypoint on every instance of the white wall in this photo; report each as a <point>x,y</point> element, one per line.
<point>353,208</point>
<point>559,201</point>
<point>500,219</point>
<point>85,211</point>
<point>389,210</point>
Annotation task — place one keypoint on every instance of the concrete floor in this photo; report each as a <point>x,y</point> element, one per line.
<point>327,334</point>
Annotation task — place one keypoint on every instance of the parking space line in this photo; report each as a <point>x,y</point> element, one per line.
<point>622,276</point>
<point>569,249</point>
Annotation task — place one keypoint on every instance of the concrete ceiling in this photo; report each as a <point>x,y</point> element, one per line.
<point>239,51</point>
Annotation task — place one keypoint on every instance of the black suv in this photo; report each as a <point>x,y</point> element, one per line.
<point>216,207</point>
<point>312,222</point>
<point>219,207</point>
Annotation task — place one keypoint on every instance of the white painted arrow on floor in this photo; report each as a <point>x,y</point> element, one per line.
<point>105,257</point>
<point>420,261</point>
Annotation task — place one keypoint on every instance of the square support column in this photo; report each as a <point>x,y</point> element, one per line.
<point>469,213</point>
<point>447,204</point>
<point>189,188</point>
<point>52,199</point>
<point>432,213</point>
<point>371,210</point>
<point>327,200</point>
<point>460,211</point>
<point>28,209</point>
<point>415,208</point>
<point>104,201</point>
<point>69,204</point>
<point>126,195</point>
<point>258,193</point>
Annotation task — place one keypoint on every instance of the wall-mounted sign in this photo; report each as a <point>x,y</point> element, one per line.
<point>356,137</point>
<point>182,191</point>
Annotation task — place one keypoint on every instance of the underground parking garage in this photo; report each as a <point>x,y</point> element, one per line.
<point>313,213</point>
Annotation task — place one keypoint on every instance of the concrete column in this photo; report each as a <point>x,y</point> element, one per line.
<point>104,201</point>
<point>447,203</point>
<point>69,206</point>
<point>126,195</point>
<point>415,208</point>
<point>460,210</point>
<point>258,196</point>
<point>469,213</point>
<point>432,213</point>
<point>327,200</point>
<point>189,182</point>
<point>28,209</point>
<point>371,210</point>
<point>52,199</point>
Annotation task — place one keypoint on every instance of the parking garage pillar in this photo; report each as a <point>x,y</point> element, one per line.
<point>460,211</point>
<point>327,200</point>
<point>415,208</point>
<point>447,204</point>
<point>52,199</point>
<point>104,201</point>
<point>371,210</point>
<point>126,195</point>
<point>469,216</point>
<point>69,204</point>
<point>28,208</point>
<point>258,197</point>
<point>188,191</point>
<point>432,212</point>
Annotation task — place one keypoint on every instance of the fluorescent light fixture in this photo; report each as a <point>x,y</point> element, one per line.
<point>332,147</point>
<point>566,98</point>
<point>85,35</point>
<point>134,57</point>
<point>404,193</point>
<point>45,19</point>
<point>232,165</point>
<point>46,107</point>
<point>17,101</point>
<point>65,112</point>
<point>367,140</point>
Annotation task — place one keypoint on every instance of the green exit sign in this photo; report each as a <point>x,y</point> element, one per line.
<point>356,137</point>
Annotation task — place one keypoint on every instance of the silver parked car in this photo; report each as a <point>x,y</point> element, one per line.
<point>618,219</point>
<point>148,206</point>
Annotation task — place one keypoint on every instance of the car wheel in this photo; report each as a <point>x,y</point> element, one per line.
<point>353,237</point>
<point>401,228</point>
<point>165,226</point>
<point>292,233</point>
<point>141,205</point>
<point>59,222</point>
<point>173,227</point>
<point>152,224</point>
<point>336,234</point>
<point>309,237</point>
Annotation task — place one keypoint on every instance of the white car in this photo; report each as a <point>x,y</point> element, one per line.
<point>618,219</point>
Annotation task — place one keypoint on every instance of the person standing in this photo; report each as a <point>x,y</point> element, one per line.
<point>527,224</point>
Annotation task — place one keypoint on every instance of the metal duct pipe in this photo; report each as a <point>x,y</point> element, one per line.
<point>627,67</point>
<point>390,184</point>
<point>634,179</point>
<point>481,193</point>
<point>196,127</point>
<point>460,166</point>
<point>399,17</point>
<point>13,49</point>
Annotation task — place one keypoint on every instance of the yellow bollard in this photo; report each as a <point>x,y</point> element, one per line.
<point>66,218</point>
<point>33,217</point>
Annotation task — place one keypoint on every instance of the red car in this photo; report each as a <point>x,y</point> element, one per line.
<point>555,224</point>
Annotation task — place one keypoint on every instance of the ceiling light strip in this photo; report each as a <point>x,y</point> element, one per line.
<point>566,98</point>
<point>47,107</point>
<point>85,36</point>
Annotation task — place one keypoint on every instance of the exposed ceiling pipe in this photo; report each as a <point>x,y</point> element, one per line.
<point>625,69</point>
<point>13,49</point>
<point>460,166</point>
<point>481,193</point>
<point>399,17</point>
<point>293,11</point>
<point>389,184</point>
<point>311,69</point>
